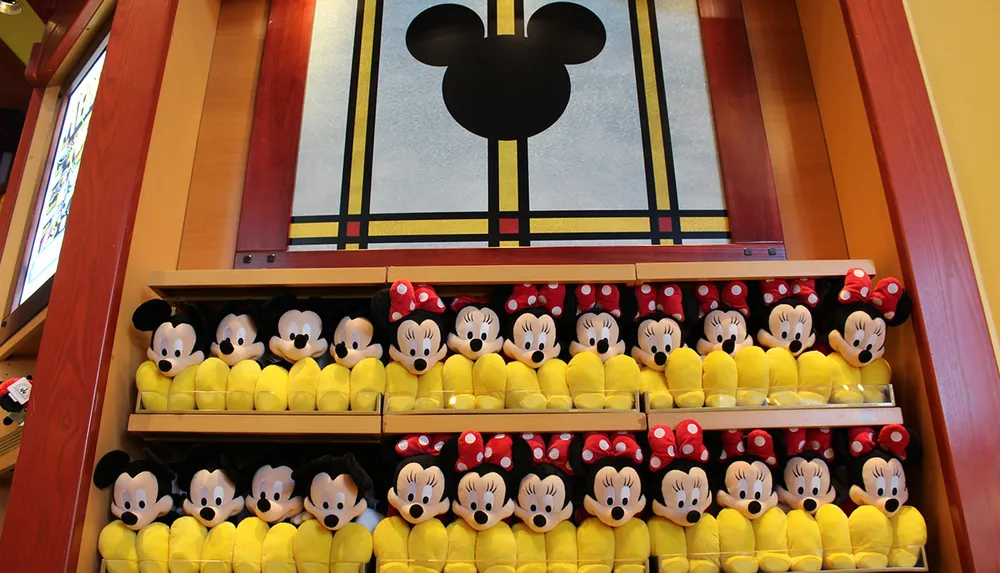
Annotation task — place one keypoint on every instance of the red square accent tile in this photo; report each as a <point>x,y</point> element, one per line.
<point>508,226</point>
<point>666,225</point>
<point>353,228</point>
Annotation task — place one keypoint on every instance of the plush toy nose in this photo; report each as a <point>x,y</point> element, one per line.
<point>226,347</point>
<point>263,505</point>
<point>537,356</point>
<point>754,507</point>
<point>865,356</point>
<point>164,365</point>
<point>693,516</point>
<point>795,346</point>
<point>539,521</point>
<point>603,345</point>
<point>420,364</point>
<point>890,506</point>
<point>476,345</point>
<point>207,513</point>
<point>129,518</point>
<point>617,513</point>
<point>481,517</point>
<point>660,358</point>
<point>809,505</point>
<point>301,340</point>
<point>341,350</point>
<point>416,511</point>
<point>331,521</point>
<point>729,345</point>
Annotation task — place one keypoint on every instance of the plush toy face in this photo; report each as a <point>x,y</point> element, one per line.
<point>352,342</point>
<point>135,500</point>
<point>749,489</point>
<point>482,500</point>
<point>656,340</point>
<point>418,346</point>
<point>236,340</point>
<point>885,486</point>
<point>299,336</point>
<point>534,340</point>
<point>808,484</point>
<point>271,497</point>
<point>725,331</point>
<point>477,332</point>
<point>862,341</point>
<point>419,493</point>
<point>597,333</point>
<point>173,348</point>
<point>334,502</point>
<point>212,498</point>
<point>543,503</point>
<point>617,496</point>
<point>789,327</point>
<point>686,496</point>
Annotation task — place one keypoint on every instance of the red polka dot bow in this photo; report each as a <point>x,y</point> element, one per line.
<point>734,296</point>
<point>473,451</point>
<point>404,299</point>
<point>598,297</point>
<point>817,440</point>
<point>666,446</point>
<point>557,452</point>
<point>465,300</point>
<point>803,290</point>
<point>892,438</point>
<point>760,445</point>
<point>664,298</point>
<point>551,297</point>
<point>421,444</point>
<point>598,445</point>
<point>858,288</point>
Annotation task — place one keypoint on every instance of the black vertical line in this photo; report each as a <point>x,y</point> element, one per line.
<point>366,189</point>
<point>647,152</point>
<point>668,149</point>
<point>519,18</point>
<point>523,197</point>
<point>352,103</point>
<point>493,150</point>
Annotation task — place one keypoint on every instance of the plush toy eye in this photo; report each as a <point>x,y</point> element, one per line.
<point>541,346</point>
<point>340,505</point>
<point>802,490</point>
<point>611,501</point>
<point>163,352</point>
<point>857,343</point>
<point>239,341</point>
<point>277,496</point>
<point>593,341</point>
<point>719,338</point>
<point>533,508</point>
<point>355,345</point>
<point>894,491</point>
<point>413,352</point>
<point>652,349</point>
<point>469,336</point>
<point>743,495</point>
<point>204,501</point>
<point>880,492</point>
<point>291,336</point>
<point>694,502</point>
<point>326,505</point>
<point>177,353</point>
<point>473,506</point>
<point>527,346</point>
<point>482,336</point>
<point>128,505</point>
<point>756,495</point>
<point>427,352</point>
<point>869,347</point>
<point>548,509</point>
<point>784,334</point>
<point>667,348</point>
<point>426,499</point>
<point>489,507</point>
<point>142,504</point>
<point>680,503</point>
<point>815,491</point>
<point>218,501</point>
<point>410,497</point>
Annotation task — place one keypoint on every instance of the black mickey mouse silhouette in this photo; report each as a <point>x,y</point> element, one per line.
<point>506,87</point>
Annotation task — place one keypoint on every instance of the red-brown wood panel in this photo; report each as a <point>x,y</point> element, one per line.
<point>69,20</point>
<point>747,180</point>
<point>956,352</point>
<point>17,169</point>
<point>61,430</point>
<point>274,139</point>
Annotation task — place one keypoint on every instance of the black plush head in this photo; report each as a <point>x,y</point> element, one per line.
<point>601,314</point>
<point>213,486</point>
<point>858,324</point>
<point>177,340</point>
<point>679,481</point>
<point>476,328</point>
<point>610,486</point>
<point>421,480</point>
<point>663,316</point>
<point>141,488</point>
<point>487,477</point>
<point>876,468</point>
<point>536,323</point>
<point>506,86</point>
<point>411,320</point>
<point>747,471</point>
<point>237,333</point>
<point>297,327</point>
<point>722,318</point>
<point>272,493</point>
<point>783,313</point>
<point>544,497</point>
<point>333,489</point>
<point>806,468</point>
<point>354,337</point>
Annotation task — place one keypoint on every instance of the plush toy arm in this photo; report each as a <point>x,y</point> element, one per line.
<point>654,384</point>
<point>553,384</point>
<point>390,541</point>
<point>871,537</point>
<point>719,379</point>
<point>530,549</point>
<point>703,545</point>
<point>116,544</point>
<point>875,379</point>
<point>181,395</point>
<point>461,557</point>
<point>303,381</point>
<point>815,377</point>
<point>846,381</point>
<point>561,549</point>
<point>333,389</point>
<point>187,539</point>
<point>400,388</point>
<point>668,545</point>
<point>523,390</point>
<point>351,550</point>
<point>367,382</point>
<point>783,371</point>
<point>271,393</point>
<point>277,553</point>
<point>753,376</point>
<point>250,534</point>
<point>241,385</point>
<point>836,535</point>
<point>210,384</point>
<point>909,534</point>
<point>217,554</point>
<point>805,544</point>
<point>153,386</point>
<point>430,391</point>
<point>152,547</point>
<point>489,382</point>
<point>736,542</point>
<point>621,375</point>
<point>585,377</point>
<point>428,547</point>
<point>496,550</point>
<point>684,378</point>
<point>456,380</point>
<point>595,544</point>
<point>771,534</point>
<point>311,548</point>
<point>632,548</point>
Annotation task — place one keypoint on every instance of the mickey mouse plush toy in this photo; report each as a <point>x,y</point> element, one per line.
<point>226,380</point>
<point>176,347</point>
<point>266,538</point>
<point>670,371</point>
<point>885,529</point>
<point>600,374</point>
<point>612,492</point>
<point>14,396</point>
<point>357,375</point>
<point>411,319</point>
<point>536,377</point>
<point>858,332</point>
<point>683,536</point>
<point>546,536</point>
<point>475,377</point>
<point>735,371</point>
<point>299,342</point>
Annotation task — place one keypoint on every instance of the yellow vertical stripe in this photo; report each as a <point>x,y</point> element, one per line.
<point>507,160</point>
<point>505,17</point>
<point>653,110</point>
<point>361,109</point>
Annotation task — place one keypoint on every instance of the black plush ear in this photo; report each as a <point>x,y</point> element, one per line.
<point>274,308</point>
<point>440,35</point>
<point>914,451</point>
<point>359,475</point>
<point>569,32</point>
<point>380,309</point>
<point>196,318</point>
<point>110,467</point>
<point>151,314</point>
<point>903,309</point>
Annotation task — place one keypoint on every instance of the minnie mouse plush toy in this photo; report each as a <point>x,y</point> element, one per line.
<point>476,376</point>
<point>536,376</point>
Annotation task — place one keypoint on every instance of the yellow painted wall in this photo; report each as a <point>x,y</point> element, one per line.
<point>22,31</point>
<point>959,45</point>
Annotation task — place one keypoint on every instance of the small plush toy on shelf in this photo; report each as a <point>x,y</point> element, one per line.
<point>357,375</point>
<point>227,379</point>
<point>735,372</point>
<point>476,376</point>
<point>884,530</point>
<point>752,528</point>
<point>858,332</point>
<point>787,328</point>
<point>670,372</point>
<point>177,343</point>
<point>536,376</point>
<point>818,532</point>
<point>14,396</point>
<point>600,374</point>
<point>683,537</point>
<point>612,492</point>
<point>411,319</point>
<point>298,345</point>
<point>546,536</point>
<point>266,539</point>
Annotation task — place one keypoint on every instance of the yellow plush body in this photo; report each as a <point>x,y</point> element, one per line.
<point>427,547</point>
<point>187,539</point>
<point>784,377</point>
<point>875,379</point>
<point>846,381</point>
<point>340,387</point>
<point>737,543</point>
<point>909,534</point>
<point>479,384</point>
<point>217,553</point>
<point>621,382</point>
<point>719,379</point>
<point>457,383</point>
<point>530,389</point>
<point>333,389</point>
<point>684,378</point>
<point>351,549</point>
<point>152,548</point>
<point>496,550</point>
<point>241,385</point>
<point>247,544</point>
<point>153,386</point>
<point>312,547</point>
<point>835,533</point>
<point>771,535</point>
<point>552,552</point>
<point>871,537</point>
<point>210,384</point>
<point>653,383</point>
<point>303,383</point>
<point>277,552</point>
<point>552,381</point>
<point>805,543</point>
<point>703,545</point>
<point>181,394</point>
<point>815,375</point>
<point>693,549</point>
<point>406,391</point>
<point>116,544</point>
<point>271,392</point>
<point>586,379</point>
<point>753,376</point>
<point>390,540</point>
<point>625,549</point>
<point>461,557</point>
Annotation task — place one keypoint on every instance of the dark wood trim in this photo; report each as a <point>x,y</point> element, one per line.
<point>274,140</point>
<point>956,352</point>
<point>747,181</point>
<point>60,437</point>
<point>17,169</point>
<point>70,20</point>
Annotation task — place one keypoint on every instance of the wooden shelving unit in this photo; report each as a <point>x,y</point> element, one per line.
<point>748,270</point>
<point>25,341</point>
<point>207,284</point>
<point>10,447</point>
<point>513,274</point>
<point>829,416</point>
<point>254,425</point>
<point>493,421</point>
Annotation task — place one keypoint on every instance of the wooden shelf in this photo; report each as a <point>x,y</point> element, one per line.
<point>513,274</point>
<point>257,425</point>
<point>195,284</point>
<point>748,270</point>
<point>10,446</point>
<point>492,421</point>
<point>25,342</point>
<point>778,417</point>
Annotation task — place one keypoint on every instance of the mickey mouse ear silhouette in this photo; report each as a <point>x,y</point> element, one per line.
<point>439,35</point>
<point>570,33</point>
